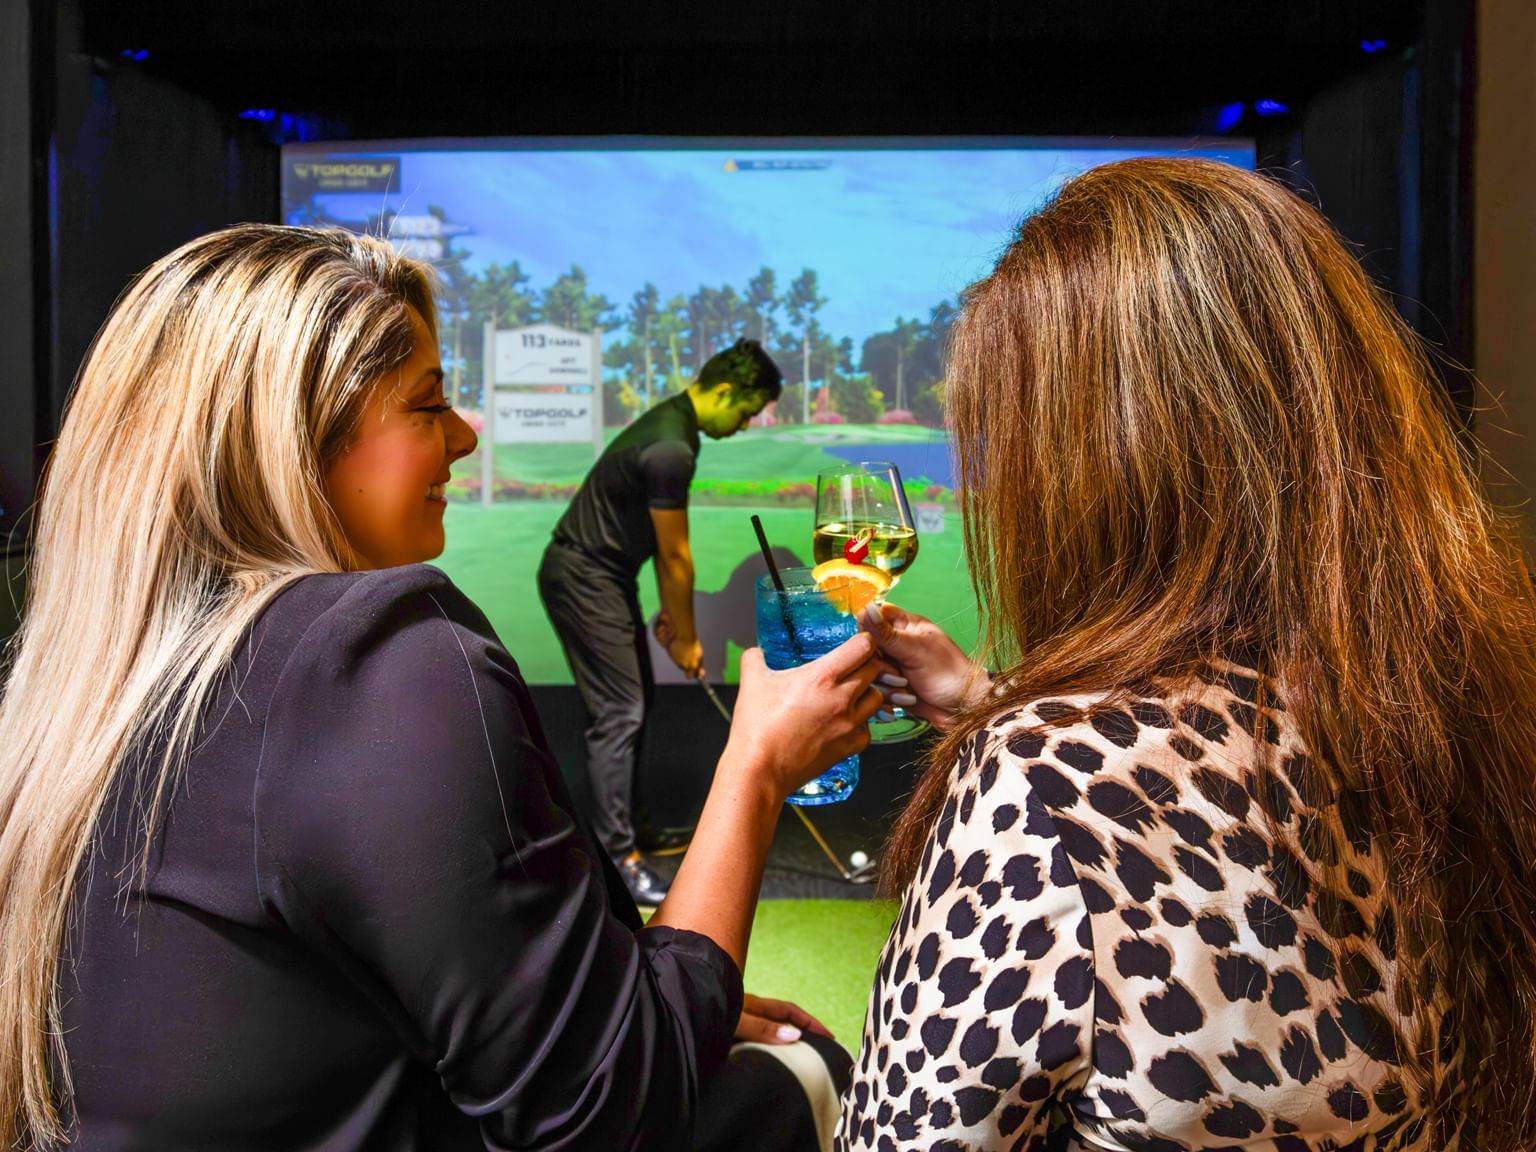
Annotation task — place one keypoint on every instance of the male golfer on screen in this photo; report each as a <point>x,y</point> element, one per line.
<point>633,506</point>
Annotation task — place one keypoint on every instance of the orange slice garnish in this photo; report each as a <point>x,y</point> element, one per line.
<point>851,587</point>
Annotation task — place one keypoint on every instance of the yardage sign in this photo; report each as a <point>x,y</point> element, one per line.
<point>542,385</point>
<point>543,354</point>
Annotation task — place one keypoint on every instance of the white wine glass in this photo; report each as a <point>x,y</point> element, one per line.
<point>864,506</point>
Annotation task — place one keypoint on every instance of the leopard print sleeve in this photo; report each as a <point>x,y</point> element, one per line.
<point>982,1013</point>
<point>1142,921</point>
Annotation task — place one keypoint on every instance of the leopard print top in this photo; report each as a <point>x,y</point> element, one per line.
<point>1110,943</point>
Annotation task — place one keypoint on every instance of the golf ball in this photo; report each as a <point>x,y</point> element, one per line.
<point>858,860</point>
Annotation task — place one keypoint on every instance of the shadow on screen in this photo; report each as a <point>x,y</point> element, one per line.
<point>724,617</point>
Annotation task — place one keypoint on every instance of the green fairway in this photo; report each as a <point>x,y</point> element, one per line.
<point>493,555</point>
<point>786,452</point>
<point>821,954</point>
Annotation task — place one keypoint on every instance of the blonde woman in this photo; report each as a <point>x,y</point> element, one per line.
<point>1237,849</point>
<point>285,861</point>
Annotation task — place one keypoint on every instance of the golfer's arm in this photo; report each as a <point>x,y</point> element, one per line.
<point>674,569</point>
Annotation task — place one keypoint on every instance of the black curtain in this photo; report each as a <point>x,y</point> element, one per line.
<point>23,288</point>
<point>1387,156</point>
<point>105,169</point>
<point>141,168</point>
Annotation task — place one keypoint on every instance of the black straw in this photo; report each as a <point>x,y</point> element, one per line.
<point>762,539</point>
<point>778,582</point>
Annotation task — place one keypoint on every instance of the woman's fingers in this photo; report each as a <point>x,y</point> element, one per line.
<point>900,697</point>
<point>765,1031</point>
<point>850,657</point>
<point>869,702</point>
<point>752,661</point>
<point>801,720</point>
<point>785,1012</point>
<point>880,621</point>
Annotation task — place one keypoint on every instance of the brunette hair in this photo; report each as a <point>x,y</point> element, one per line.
<point>1188,425</point>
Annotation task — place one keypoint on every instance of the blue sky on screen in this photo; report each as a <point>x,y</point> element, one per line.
<point>890,231</point>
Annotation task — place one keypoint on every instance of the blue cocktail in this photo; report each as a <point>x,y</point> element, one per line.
<point>796,626</point>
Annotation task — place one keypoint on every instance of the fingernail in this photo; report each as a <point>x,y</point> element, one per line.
<point>885,715</point>
<point>871,614</point>
<point>902,699</point>
<point>893,680</point>
<point>788,1033</point>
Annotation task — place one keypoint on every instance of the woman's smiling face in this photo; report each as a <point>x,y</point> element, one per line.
<point>386,487</point>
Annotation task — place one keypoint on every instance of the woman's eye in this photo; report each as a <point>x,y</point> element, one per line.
<point>436,409</point>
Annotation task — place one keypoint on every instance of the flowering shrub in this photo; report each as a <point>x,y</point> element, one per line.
<point>511,489</point>
<point>827,418</point>
<point>796,493</point>
<point>735,493</point>
<point>896,416</point>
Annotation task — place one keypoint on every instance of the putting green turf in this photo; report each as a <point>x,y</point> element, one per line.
<point>821,954</point>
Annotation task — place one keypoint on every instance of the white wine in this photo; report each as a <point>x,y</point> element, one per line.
<point>892,547</point>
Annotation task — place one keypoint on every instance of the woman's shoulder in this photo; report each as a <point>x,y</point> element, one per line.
<point>385,661</point>
<point>358,594</point>
<point>1208,724</point>
<point>359,607</point>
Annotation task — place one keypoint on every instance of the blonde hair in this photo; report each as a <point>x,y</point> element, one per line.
<point>1189,427</point>
<point>185,491</point>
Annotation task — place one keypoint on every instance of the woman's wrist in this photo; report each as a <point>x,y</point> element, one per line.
<point>746,769</point>
<point>715,890</point>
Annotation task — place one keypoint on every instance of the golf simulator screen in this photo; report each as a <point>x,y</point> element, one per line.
<point>583,281</point>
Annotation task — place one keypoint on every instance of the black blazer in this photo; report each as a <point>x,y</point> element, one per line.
<point>372,918</point>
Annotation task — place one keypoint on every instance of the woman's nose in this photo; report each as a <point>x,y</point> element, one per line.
<point>461,437</point>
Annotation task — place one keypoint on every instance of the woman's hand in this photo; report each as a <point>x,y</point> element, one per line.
<point>775,1021</point>
<point>934,679</point>
<point>796,723</point>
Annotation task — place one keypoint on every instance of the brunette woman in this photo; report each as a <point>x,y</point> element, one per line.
<point>1236,847</point>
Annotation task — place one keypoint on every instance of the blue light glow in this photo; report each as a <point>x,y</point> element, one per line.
<point>1271,108</point>
<point>286,127</point>
<point>134,53</point>
<point>1372,45</point>
<point>1229,116</point>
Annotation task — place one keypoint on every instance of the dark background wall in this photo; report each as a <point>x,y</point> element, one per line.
<point>122,134</point>
<point>1505,281</point>
<point>20,286</point>
<point>1386,153</point>
<point>16,233</point>
<point>105,168</point>
<point>138,165</point>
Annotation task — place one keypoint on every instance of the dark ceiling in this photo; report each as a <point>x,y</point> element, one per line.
<point>459,67</point>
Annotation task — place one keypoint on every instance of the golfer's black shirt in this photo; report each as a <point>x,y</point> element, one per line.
<point>649,465</point>
<point>371,920</point>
